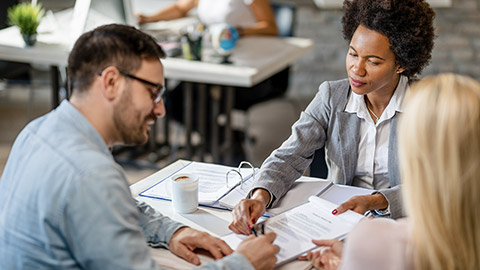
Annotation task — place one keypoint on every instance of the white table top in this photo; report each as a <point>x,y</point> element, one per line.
<point>207,219</point>
<point>254,59</point>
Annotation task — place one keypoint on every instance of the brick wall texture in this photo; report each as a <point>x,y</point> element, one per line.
<point>457,46</point>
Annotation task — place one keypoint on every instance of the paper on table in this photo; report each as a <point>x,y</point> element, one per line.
<point>302,189</point>
<point>297,227</point>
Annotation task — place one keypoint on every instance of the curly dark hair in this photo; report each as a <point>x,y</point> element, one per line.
<point>408,25</point>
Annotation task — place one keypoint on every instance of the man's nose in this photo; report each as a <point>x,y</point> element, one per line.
<point>159,109</point>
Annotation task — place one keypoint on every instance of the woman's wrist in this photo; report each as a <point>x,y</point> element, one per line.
<point>378,201</point>
<point>261,195</point>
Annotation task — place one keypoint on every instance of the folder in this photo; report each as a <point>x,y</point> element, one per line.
<point>215,181</point>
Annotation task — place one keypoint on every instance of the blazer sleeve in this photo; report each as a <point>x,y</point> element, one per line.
<point>292,158</point>
<point>395,202</point>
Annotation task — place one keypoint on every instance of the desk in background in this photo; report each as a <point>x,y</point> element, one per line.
<point>254,60</point>
<point>211,220</point>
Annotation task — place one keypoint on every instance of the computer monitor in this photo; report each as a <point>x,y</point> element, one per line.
<point>89,14</point>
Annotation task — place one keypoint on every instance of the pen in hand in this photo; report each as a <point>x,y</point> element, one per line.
<point>258,229</point>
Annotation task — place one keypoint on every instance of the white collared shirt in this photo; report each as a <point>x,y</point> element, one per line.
<point>372,163</point>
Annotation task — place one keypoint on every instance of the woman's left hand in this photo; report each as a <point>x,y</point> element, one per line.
<point>362,204</point>
<point>327,258</point>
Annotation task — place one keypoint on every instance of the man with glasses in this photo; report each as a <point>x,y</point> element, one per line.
<point>65,203</point>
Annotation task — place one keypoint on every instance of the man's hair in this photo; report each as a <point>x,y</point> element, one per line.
<point>439,151</point>
<point>408,25</point>
<point>110,45</point>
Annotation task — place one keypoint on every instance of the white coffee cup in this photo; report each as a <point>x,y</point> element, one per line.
<point>184,193</point>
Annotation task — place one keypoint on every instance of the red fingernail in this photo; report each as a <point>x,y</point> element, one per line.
<point>334,211</point>
<point>254,220</point>
<point>249,226</point>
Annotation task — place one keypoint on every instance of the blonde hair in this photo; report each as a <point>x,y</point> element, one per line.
<point>439,148</point>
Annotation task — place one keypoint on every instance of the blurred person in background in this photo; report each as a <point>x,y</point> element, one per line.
<point>249,17</point>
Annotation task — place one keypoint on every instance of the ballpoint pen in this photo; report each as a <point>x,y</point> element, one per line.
<point>258,229</point>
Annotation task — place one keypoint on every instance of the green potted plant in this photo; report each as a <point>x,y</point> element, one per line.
<point>27,17</point>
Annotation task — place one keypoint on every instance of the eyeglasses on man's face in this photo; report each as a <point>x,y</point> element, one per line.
<point>156,94</point>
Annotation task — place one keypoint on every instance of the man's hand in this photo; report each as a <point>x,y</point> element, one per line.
<point>186,239</point>
<point>260,251</point>
<point>362,204</point>
<point>328,258</point>
<point>247,212</point>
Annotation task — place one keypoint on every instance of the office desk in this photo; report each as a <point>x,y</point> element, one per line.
<point>254,60</point>
<point>211,220</point>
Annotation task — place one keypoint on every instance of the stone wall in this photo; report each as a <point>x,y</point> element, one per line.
<point>457,47</point>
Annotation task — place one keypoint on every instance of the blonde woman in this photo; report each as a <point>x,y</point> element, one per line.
<point>439,148</point>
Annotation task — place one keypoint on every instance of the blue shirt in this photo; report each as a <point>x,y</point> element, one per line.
<point>65,203</point>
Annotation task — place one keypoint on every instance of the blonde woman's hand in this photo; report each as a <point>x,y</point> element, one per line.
<point>327,258</point>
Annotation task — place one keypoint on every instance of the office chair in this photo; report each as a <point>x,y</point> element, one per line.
<point>285,16</point>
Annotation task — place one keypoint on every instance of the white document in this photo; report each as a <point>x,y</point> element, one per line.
<point>297,227</point>
<point>302,189</point>
<point>339,194</point>
<point>212,183</point>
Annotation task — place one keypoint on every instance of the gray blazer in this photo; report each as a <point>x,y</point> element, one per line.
<point>325,123</point>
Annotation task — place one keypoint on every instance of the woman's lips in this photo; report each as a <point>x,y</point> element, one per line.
<point>356,83</point>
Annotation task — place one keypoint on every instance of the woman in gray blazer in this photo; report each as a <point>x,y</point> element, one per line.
<point>390,42</point>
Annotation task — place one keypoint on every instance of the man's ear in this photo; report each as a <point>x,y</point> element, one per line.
<point>111,83</point>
